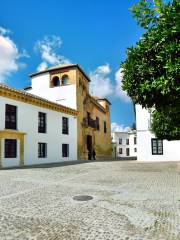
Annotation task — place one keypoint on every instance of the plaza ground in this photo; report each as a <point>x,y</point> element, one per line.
<point>131,201</point>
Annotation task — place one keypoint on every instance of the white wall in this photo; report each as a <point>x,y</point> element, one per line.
<point>27,116</point>
<point>171,149</point>
<point>65,95</point>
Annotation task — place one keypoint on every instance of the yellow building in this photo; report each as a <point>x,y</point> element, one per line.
<point>69,86</point>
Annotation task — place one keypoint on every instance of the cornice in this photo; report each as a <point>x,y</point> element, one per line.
<point>28,98</point>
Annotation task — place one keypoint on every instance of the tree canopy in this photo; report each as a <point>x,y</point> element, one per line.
<point>152,67</point>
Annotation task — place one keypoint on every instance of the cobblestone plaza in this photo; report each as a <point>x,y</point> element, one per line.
<point>131,201</point>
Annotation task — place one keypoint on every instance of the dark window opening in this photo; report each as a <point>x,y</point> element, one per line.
<point>127,141</point>
<point>42,150</point>
<point>55,81</point>
<point>120,150</point>
<point>157,146</point>
<point>10,148</point>
<point>127,151</point>
<point>11,117</point>
<point>65,150</point>
<point>42,122</point>
<point>65,125</point>
<point>105,127</point>
<point>135,141</point>
<point>88,118</point>
<point>65,80</point>
<point>120,141</point>
<point>97,123</point>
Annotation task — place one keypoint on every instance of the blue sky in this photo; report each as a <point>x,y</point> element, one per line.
<point>93,33</point>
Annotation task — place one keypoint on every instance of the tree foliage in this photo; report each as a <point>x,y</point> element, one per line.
<point>152,67</point>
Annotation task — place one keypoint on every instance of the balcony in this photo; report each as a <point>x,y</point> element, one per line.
<point>89,122</point>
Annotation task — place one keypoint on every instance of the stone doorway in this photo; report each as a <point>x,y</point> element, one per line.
<point>89,146</point>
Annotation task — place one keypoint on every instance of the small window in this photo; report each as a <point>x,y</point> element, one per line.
<point>127,141</point>
<point>135,141</point>
<point>105,127</point>
<point>55,81</point>
<point>65,125</point>
<point>41,122</point>
<point>11,117</point>
<point>65,80</point>
<point>65,150</point>
<point>127,151</point>
<point>10,148</point>
<point>42,150</point>
<point>157,146</point>
<point>97,123</point>
<point>120,151</point>
<point>88,118</point>
<point>120,141</point>
<point>135,149</point>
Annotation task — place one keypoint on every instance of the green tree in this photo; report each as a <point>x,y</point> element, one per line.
<point>152,67</point>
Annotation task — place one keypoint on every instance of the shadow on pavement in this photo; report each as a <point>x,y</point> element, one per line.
<point>68,163</point>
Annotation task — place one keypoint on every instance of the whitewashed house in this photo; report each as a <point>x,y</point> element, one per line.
<point>124,144</point>
<point>34,130</point>
<point>149,148</point>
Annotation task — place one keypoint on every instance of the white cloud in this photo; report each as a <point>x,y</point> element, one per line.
<point>103,69</point>
<point>48,47</point>
<point>119,128</point>
<point>4,31</point>
<point>42,66</point>
<point>9,55</point>
<point>101,84</point>
<point>119,92</point>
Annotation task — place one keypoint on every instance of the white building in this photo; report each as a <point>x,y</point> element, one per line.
<point>149,148</point>
<point>124,144</point>
<point>34,130</point>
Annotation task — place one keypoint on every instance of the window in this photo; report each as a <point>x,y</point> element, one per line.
<point>65,150</point>
<point>135,149</point>
<point>11,117</point>
<point>65,125</point>
<point>120,150</point>
<point>65,80</point>
<point>97,123</point>
<point>42,122</point>
<point>42,150</point>
<point>88,118</point>
<point>127,151</point>
<point>55,81</point>
<point>120,141</point>
<point>135,141</point>
<point>127,141</point>
<point>105,127</point>
<point>157,146</point>
<point>10,148</point>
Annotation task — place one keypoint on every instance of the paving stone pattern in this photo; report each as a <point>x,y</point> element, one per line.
<point>131,201</point>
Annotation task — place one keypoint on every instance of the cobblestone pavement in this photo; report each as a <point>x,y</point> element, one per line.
<point>131,201</point>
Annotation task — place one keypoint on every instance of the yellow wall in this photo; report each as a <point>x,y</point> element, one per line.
<point>101,141</point>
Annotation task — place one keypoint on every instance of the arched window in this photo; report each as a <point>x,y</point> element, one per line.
<point>65,80</point>
<point>55,81</point>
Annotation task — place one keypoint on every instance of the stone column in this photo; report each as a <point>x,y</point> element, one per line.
<point>21,139</point>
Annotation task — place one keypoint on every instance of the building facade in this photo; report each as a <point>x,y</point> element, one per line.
<point>124,144</point>
<point>34,130</point>
<point>68,85</point>
<point>149,147</point>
